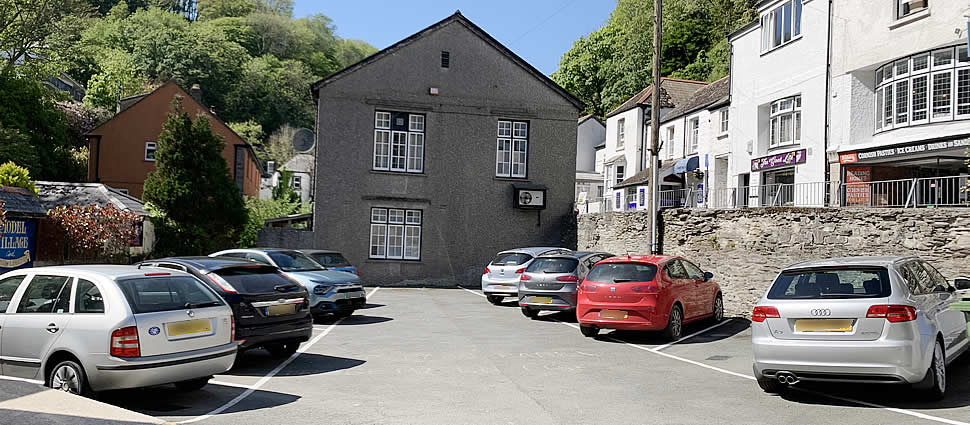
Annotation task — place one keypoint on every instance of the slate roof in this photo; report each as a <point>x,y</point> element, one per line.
<point>18,202</point>
<point>583,119</point>
<point>714,93</point>
<point>635,180</point>
<point>302,162</point>
<point>475,29</point>
<point>673,92</point>
<point>54,194</point>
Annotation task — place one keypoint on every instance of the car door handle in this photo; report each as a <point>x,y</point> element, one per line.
<point>52,328</point>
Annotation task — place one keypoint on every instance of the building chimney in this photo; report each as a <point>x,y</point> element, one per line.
<point>196,92</point>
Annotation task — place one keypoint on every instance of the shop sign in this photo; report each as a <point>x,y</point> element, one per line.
<point>848,158</point>
<point>778,160</point>
<point>914,149</point>
<point>17,244</point>
<point>856,193</point>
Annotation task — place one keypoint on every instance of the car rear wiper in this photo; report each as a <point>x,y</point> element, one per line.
<point>283,288</point>
<point>843,295</point>
<point>622,280</point>
<point>205,304</point>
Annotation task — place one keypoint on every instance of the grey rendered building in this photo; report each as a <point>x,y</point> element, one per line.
<point>421,150</point>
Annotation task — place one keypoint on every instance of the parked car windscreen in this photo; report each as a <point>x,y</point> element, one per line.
<point>257,280</point>
<point>153,294</point>
<point>831,283</point>
<point>331,259</point>
<point>511,259</point>
<point>553,265</point>
<point>292,261</point>
<point>622,272</point>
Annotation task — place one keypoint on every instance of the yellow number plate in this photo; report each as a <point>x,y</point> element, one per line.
<point>613,314</point>
<point>279,310</point>
<point>823,325</point>
<point>542,300</point>
<point>188,327</point>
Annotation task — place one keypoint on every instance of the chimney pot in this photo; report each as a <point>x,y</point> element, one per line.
<point>196,92</point>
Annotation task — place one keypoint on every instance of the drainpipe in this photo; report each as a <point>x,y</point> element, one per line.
<point>828,96</point>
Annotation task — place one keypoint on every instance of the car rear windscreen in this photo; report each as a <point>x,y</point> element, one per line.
<point>511,259</point>
<point>259,280</point>
<point>331,260</point>
<point>831,283</point>
<point>622,272</point>
<point>553,265</point>
<point>153,294</point>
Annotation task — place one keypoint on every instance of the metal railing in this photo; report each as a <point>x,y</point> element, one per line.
<point>948,191</point>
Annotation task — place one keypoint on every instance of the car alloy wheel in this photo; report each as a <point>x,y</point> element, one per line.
<point>939,368</point>
<point>674,324</point>
<point>718,309</point>
<point>67,377</point>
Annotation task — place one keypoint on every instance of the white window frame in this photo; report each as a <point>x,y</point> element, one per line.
<point>620,133</point>
<point>949,115</point>
<point>956,93</point>
<point>296,181</point>
<point>620,173</point>
<point>512,149</point>
<point>769,22</point>
<point>724,116</point>
<point>889,79</point>
<point>693,135</point>
<point>671,135</point>
<point>898,6</point>
<point>153,148</point>
<point>398,149</point>
<point>777,112</point>
<point>406,224</point>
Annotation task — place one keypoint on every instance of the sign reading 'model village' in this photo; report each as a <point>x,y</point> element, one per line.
<point>17,240</point>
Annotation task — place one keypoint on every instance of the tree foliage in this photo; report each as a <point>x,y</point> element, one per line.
<point>284,190</point>
<point>106,232</point>
<point>614,62</point>
<point>279,148</point>
<point>258,210</point>
<point>37,35</point>
<point>191,185</point>
<point>13,175</point>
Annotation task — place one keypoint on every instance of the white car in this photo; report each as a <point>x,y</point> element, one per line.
<point>858,319</point>
<point>501,277</point>
<point>84,329</point>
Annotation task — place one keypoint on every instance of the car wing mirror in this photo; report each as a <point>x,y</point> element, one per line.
<point>708,276</point>
<point>962,283</point>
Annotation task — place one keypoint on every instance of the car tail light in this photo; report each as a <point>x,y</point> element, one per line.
<point>761,313</point>
<point>647,289</point>
<point>218,280</point>
<point>892,313</point>
<point>525,277</point>
<point>586,287</point>
<point>356,272</point>
<point>232,328</point>
<point>124,342</point>
<point>158,274</point>
<point>520,271</point>
<point>569,278</point>
<point>487,271</point>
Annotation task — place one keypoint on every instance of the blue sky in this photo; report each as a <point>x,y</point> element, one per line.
<point>539,31</point>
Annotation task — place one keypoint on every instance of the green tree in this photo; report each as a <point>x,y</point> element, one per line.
<point>37,35</point>
<point>350,52</point>
<point>249,130</point>
<point>215,9</point>
<point>279,146</point>
<point>119,78</point>
<point>258,210</point>
<point>272,92</point>
<point>191,185</point>
<point>284,187</point>
<point>16,176</point>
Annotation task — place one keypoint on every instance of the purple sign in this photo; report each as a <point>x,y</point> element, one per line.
<point>778,160</point>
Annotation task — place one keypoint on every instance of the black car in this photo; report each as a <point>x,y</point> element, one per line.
<point>271,311</point>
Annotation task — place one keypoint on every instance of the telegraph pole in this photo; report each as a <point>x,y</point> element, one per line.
<point>655,126</point>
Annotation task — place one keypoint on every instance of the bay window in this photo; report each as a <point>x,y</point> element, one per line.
<point>926,87</point>
<point>785,125</point>
<point>398,142</point>
<point>395,234</point>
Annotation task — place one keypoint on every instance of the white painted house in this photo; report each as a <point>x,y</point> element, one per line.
<point>900,101</point>
<point>625,154</point>
<point>591,132</point>
<point>778,104</point>
<point>301,165</point>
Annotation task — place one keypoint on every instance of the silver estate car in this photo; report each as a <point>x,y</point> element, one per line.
<point>501,276</point>
<point>84,329</point>
<point>331,292</point>
<point>550,281</point>
<point>858,319</point>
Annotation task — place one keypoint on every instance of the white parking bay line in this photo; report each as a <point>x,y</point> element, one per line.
<point>752,378</point>
<point>14,378</point>
<point>722,323</point>
<point>262,381</point>
<point>474,292</point>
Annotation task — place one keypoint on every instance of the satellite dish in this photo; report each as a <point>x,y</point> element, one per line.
<point>303,140</point>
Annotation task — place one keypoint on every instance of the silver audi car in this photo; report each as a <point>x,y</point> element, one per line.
<point>84,329</point>
<point>501,276</point>
<point>549,283</point>
<point>858,319</point>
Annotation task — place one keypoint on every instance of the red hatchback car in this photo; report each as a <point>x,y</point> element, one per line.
<point>628,293</point>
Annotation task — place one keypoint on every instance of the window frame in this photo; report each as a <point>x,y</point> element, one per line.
<point>620,133</point>
<point>769,21</point>
<point>898,5</point>
<point>411,220</point>
<point>671,135</point>
<point>75,297</point>
<point>16,289</point>
<point>724,117</point>
<point>68,283</point>
<point>693,130</point>
<point>795,114</point>
<point>394,145</point>
<point>620,174</point>
<point>923,71</point>
<point>153,150</point>
<point>507,146</point>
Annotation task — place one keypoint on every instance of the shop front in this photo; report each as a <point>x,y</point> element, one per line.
<point>778,177</point>
<point>924,173</point>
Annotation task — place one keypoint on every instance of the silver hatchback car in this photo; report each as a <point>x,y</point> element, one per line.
<point>550,281</point>
<point>858,319</point>
<point>501,276</point>
<point>84,329</point>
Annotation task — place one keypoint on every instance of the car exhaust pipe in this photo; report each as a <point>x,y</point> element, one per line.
<point>786,378</point>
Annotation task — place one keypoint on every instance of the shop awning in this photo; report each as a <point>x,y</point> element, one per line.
<point>687,164</point>
<point>614,158</point>
<point>667,174</point>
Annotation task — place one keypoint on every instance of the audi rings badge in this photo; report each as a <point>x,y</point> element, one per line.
<point>821,312</point>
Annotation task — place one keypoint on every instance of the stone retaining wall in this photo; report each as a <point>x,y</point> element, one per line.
<point>746,248</point>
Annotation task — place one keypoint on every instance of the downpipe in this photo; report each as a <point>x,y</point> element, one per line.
<point>786,378</point>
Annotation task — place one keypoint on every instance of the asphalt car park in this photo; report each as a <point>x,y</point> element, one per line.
<point>445,356</point>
